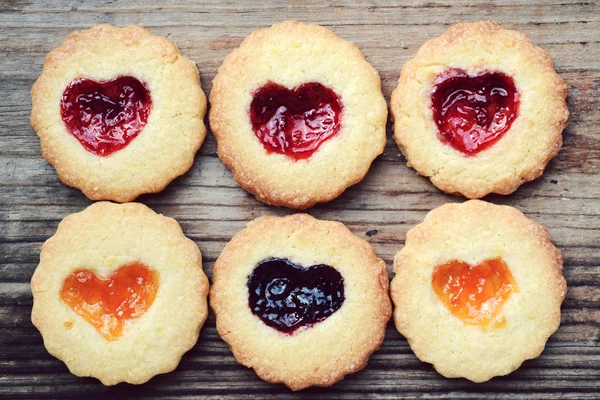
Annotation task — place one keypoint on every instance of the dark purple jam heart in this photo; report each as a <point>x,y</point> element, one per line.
<point>287,296</point>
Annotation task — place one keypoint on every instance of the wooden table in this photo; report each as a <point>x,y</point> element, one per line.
<point>392,199</point>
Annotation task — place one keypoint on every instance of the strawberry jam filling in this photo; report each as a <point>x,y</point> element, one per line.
<point>106,303</point>
<point>105,116</point>
<point>473,112</point>
<point>295,122</point>
<point>287,296</point>
<point>474,294</point>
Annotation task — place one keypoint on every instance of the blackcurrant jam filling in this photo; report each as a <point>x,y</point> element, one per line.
<point>295,122</point>
<point>105,116</point>
<point>473,112</point>
<point>287,296</point>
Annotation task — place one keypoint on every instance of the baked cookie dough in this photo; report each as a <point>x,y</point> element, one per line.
<point>478,289</point>
<point>302,301</point>
<point>119,112</point>
<point>298,114</point>
<point>119,293</point>
<point>479,110</point>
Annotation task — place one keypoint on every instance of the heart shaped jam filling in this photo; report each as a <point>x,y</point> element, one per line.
<point>475,294</point>
<point>107,303</point>
<point>473,112</point>
<point>287,296</point>
<point>295,122</point>
<point>105,116</point>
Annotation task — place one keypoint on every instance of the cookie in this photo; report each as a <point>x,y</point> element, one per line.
<point>302,301</point>
<point>479,110</point>
<point>119,293</point>
<point>119,112</point>
<point>478,289</point>
<point>298,114</point>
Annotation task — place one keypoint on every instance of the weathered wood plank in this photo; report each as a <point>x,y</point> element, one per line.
<point>208,14</point>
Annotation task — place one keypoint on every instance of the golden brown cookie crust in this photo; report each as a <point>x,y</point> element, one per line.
<point>534,138</point>
<point>102,238</point>
<point>292,53</point>
<point>472,232</point>
<point>319,355</point>
<point>174,131</point>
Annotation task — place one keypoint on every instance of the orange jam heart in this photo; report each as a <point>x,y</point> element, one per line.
<point>107,302</point>
<point>474,293</point>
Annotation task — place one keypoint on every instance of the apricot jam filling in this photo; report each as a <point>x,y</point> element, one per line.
<point>473,112</point>
<point>295,122</point>
<point>474,294</point>
<point>106,303</point>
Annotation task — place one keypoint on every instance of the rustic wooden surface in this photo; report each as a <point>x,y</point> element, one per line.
<point>211,207</point>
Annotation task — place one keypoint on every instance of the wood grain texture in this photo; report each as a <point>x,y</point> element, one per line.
<point>211,207</point>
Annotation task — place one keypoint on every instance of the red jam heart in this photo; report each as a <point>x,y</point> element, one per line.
<point>287,296</point>
<point>475,294</point>
<point>105,116</point>
<point>473,112</point>
<point>106,303</point>
<point>295,122</point>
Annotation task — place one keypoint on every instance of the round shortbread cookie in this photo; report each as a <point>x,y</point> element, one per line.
<point>298,114</point>
<point>121,255</point>
<point>119,112</point>
<point>488,261</point>
<point>302,301</point>
<point>479,110</point>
